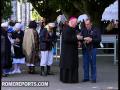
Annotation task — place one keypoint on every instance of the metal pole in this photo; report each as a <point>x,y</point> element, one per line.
<point>60,42</point>
<point>115,52</point>
<point>56,51</point>
<point>25,13</point>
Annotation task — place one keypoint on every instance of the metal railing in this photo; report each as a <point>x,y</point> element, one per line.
<point>105,39</point>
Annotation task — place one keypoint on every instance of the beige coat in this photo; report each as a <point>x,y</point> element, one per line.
<point>31,45</point>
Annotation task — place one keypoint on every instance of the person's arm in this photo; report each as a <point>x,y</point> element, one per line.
<point>96,38</point>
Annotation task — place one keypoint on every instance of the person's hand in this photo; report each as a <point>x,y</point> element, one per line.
<point>79,44</point>
<point>17,40</point>
<point>12,41</point>
<point>79,37</point>
<point>88,39</point>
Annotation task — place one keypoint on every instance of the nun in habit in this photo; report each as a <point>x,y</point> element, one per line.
<point>18,57</point>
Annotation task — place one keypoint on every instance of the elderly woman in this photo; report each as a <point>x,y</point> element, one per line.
<point>31,46</point>
<point>18,57</point>
<point>69,54</point>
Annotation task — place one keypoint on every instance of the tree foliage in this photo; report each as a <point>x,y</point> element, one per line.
<point>94,8</point>
<point>6,9</point>
<point>35,15</point>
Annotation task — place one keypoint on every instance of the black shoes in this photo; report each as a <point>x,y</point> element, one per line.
<point>31,70</point>
<point>85,80</point>
<point>4,75</point>
<point>93,81</point>
<point>43,73</point>
<point>48,71</point>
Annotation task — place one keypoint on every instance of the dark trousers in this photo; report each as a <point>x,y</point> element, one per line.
<point>89,58</point>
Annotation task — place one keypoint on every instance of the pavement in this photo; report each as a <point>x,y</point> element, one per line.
<point>107,77</point>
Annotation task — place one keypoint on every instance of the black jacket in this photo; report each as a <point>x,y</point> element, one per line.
<point>6,60</point>
<point>18,50</point>
<point>46,40</point>
<point>95,34</point>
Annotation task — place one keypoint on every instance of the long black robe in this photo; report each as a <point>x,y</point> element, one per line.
<point>69,56</point>
<point>6,59</point>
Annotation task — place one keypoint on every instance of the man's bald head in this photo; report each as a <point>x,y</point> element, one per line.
<point>73,22</point>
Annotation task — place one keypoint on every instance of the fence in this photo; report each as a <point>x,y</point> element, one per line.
<point>105,39</point>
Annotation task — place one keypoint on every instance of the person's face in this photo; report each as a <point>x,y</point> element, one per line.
<point>42,23</point>
<point>5,28</point>
<point>73,23</point>
<point>88,24</point>
<point>50,29</point>
<point>17,30</point>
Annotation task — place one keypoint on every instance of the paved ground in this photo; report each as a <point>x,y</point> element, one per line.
<point>107,78</point>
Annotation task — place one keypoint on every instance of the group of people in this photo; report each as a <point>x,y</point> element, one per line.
<point>27,47</point>
<point>31,47</point>
<point>11,47</point>
<point>88,38</point>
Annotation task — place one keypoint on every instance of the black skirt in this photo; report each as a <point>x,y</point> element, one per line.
<point>69,75</point>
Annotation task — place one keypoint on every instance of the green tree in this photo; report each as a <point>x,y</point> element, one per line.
<point>6,9</point>
<point>35,15</point>
<point>94,8</point>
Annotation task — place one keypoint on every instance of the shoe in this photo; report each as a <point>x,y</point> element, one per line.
<point>85,80</point>
<point>43,73</point>
<point>48,70</point>
<point>93,81</point>
<point>13,72</point>
<point>18,71</point>
<point>50,73</point>
<point>4,75</point>
<point>10,73</point>
<point>33,70</point>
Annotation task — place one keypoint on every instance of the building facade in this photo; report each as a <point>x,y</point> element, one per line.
<point>22,11</point>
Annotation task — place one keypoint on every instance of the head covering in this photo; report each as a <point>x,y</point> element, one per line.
<point>17,26</point>
<point>71,18</point>
<point>61,18</point>
<point>5,24</point>
<point>10,29</point>
<point>83,17</point>
<point>22,26</point>
<point>51,24</point>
